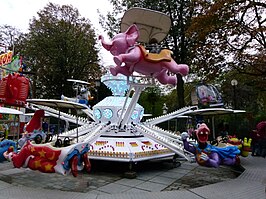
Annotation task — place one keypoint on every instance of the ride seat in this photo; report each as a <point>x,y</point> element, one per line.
<point>164,55</point>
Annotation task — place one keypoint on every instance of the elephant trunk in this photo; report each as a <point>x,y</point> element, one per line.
<point>106,45</point>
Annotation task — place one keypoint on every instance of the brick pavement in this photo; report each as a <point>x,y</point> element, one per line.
<point>151,176</point>
<point>159,181</point>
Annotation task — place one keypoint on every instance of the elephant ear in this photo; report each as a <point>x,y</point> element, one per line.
<point>132,34</point>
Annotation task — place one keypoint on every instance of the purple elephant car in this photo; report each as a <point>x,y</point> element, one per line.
<point>130,57</point>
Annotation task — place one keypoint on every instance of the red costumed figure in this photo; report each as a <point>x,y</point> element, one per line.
<point>207,154</point>
<point>48,159</point>
<point>36,158</point>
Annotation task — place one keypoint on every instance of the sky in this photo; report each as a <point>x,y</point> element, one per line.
<point>18,13</point>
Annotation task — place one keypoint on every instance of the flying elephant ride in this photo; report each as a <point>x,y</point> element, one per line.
<point>115,131</point>
<point>143,26</point>
<point>123,137</point>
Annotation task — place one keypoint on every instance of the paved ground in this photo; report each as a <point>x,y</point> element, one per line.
<point>109,177</point>
<point>154,180</point>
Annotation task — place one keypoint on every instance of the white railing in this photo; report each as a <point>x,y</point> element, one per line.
<point>169,116</point>
<point>173,144</point>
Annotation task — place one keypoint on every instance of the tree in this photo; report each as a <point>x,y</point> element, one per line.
<point>180,13</point>
<point>230,35</point>
<point>8,35</point>
<point>152,100</point>
<point>230,43</point>
<point>249,97</point>
<point>60,45</point>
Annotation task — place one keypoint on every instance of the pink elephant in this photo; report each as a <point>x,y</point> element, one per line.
<point>130,57</point>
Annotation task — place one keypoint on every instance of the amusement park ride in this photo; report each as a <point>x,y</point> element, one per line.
<point>113,129</point>
<point>83,95</point>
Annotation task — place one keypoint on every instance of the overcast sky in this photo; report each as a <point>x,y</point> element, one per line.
<point>18,13</point>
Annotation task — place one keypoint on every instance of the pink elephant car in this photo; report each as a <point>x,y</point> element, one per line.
<point>130,57</point>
